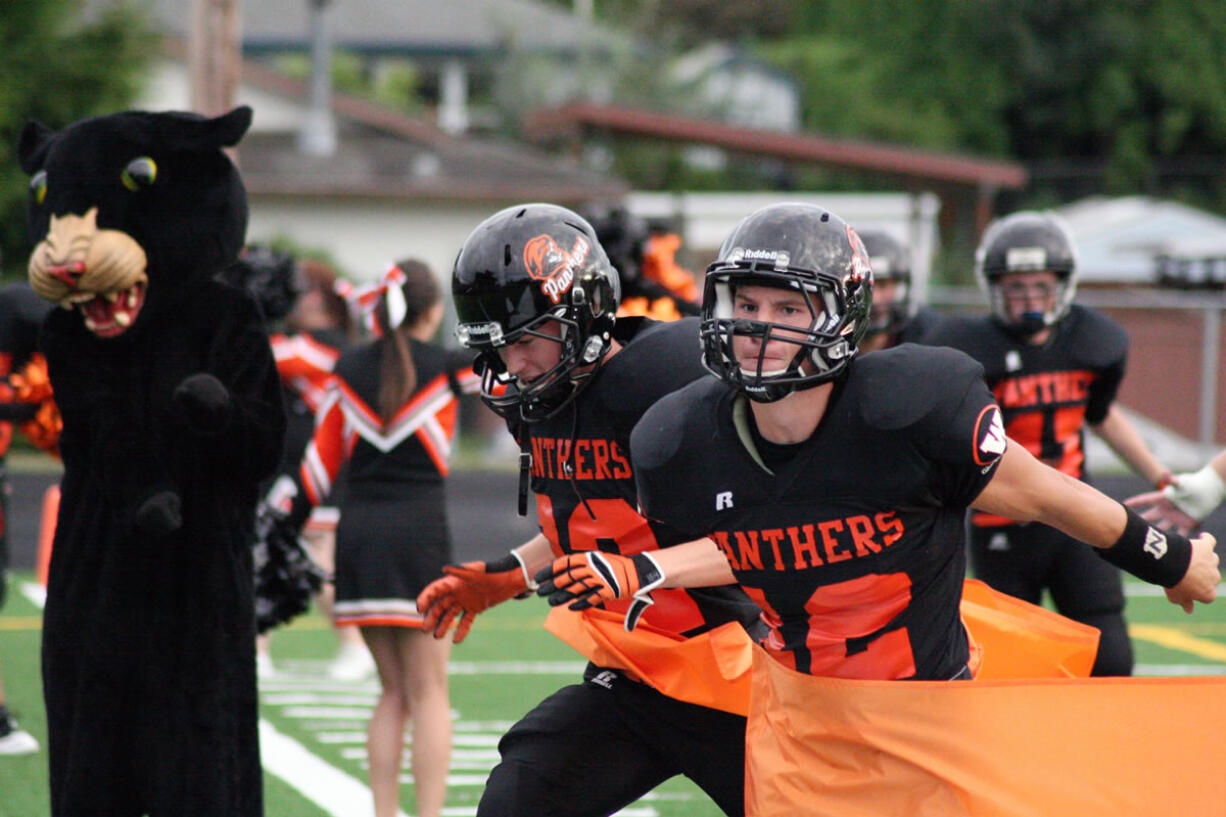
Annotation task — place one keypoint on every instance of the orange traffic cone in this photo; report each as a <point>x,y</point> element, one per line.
<point>46,532</point>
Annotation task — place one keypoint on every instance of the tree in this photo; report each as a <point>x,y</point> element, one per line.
<point>57,67</point>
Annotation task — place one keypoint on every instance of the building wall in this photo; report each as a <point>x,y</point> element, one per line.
<point>1164,368</point>
<point>365,235</point>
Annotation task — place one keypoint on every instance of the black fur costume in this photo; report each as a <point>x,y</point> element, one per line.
<point>172,415</point>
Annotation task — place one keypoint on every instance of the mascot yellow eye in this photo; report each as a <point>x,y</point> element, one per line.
<point>38,187</point>
<point>140,172</point>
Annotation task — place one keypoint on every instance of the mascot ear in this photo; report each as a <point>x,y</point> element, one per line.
<point>32,147</point>
<point>196,133</point>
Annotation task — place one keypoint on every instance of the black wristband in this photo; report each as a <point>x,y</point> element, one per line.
<point>504,565</point>
<point>1158,557</point>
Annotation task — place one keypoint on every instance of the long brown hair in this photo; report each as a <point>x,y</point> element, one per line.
<point>397,372</point>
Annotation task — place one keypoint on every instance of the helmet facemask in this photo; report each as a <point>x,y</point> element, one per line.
<point>891,317</point>
<point>824,346</point>
<point>583,339</point>
<point>1030,322</point>
<point>552,390</point>
<point>1027,241</point>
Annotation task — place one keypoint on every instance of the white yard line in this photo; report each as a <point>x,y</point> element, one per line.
<point>337,793</point>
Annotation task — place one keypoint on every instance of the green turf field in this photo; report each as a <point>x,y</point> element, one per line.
<point>312,730</point>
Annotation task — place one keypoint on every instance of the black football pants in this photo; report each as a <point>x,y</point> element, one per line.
<point>1022,560</point>
<point>593,748</point>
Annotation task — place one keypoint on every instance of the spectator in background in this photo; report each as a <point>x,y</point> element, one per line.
<point>25,400</point>
<point>1054,368</point>
<point>653,283</point>
<point>388,419</point>
<point>310,323</point>
<point>1190,498</point>
<point>895,318</point>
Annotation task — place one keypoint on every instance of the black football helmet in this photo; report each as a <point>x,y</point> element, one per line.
<point>623,236</point>
<point>792,246</point>
<point>890,261</point>
<point>519,269</point>
<point>269,275</point>
<point>1027,241</point>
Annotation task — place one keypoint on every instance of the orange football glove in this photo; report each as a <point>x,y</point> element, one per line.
<point>591,578</point>
<point>469,589</point>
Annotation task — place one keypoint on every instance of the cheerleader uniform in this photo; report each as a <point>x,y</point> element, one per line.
<point>393,538</point>
<point>305,361</point>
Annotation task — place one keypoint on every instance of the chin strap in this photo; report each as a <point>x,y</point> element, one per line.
<point>525,467</point>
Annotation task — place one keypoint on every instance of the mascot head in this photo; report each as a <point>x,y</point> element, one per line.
<point>129,210</point>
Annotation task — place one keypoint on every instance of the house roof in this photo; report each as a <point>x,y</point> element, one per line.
<point>385,154</point>
<point>919,165</point>
<point>403,27</point>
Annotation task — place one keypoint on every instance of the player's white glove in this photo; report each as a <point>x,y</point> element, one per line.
<point>1197,494</point>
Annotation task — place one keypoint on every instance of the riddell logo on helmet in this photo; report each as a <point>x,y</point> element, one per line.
<point>554,266</point>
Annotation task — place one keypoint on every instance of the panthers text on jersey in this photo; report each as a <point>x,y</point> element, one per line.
<point>1048,392</point>
<point>855,547</point>
<point>582,475</point>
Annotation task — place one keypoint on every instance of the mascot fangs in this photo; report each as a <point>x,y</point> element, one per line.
<point>172,415</point>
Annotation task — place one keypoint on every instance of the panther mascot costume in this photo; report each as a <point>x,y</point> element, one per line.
<point>172,415</point>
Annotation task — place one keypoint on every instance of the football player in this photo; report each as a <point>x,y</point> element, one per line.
<point>1054,367</point>
<point>536,296</point>
<point>892,320</point>
<point>652,282</point>
<point>835,486</point>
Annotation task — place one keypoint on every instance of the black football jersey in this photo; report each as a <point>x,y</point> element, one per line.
<point>1047,393</point>
<point>583,478</point>
<point>21,315</point>
<point>854,547</point>
<point>920,325</point>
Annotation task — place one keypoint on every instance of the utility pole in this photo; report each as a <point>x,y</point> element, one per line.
<point>318,134</point>
<point>214,55</point>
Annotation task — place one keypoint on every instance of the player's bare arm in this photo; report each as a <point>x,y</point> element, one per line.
<point>1117,431</point>
<point>1025,489</point>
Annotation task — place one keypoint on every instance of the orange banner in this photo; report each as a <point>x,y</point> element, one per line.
<point>1088,747</point>
<point>711,669</point>
<point>1016,639</point>
<point>1013,639</point>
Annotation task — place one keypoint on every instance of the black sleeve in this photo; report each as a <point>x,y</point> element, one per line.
<point>661,476</point>
<point>1103,391</point>
<point>964,438</point>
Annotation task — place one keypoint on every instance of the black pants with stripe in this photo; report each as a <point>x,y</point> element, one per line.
<point>1023,560</point>
<point>593,748</point>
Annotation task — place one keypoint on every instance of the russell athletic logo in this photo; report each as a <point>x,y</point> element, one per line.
<point>990,437</point>
<point>553,266</point>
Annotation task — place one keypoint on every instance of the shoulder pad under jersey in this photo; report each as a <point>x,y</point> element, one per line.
<point>898,387</point>
<point>1098,340</point>
<point>660,358</point>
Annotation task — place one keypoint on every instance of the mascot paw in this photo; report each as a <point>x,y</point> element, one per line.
<point>204,402</point>
<point>160,514</point>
